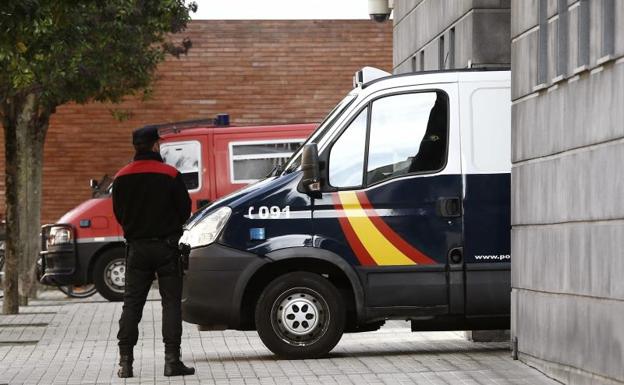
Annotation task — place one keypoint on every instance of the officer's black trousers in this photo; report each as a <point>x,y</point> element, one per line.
<point>144,260</point>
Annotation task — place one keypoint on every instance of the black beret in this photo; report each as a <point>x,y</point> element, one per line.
<point>147,134</point>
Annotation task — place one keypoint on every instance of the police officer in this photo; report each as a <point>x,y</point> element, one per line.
<point>151,203</point>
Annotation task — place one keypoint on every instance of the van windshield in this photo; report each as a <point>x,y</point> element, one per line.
<point>321,131</point>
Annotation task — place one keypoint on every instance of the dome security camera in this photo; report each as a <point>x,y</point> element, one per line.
<point>379,10</point>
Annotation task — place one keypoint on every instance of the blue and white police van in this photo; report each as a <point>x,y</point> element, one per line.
<point>396,207</point>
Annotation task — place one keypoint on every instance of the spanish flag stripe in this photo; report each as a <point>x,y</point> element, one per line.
<point>360,251</point>
<point>380,248</point>
<point>407,249</point>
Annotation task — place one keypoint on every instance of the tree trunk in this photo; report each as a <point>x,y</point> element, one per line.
<point>10,305</point>
<point>25,125</point>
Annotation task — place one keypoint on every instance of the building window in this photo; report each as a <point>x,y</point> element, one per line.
<point>441,58</point>
<point>608,27</point>
<point>562,35</point>
<point>583,28</point>
<point>186,157</point>
<point>542,54</point>
<point>251,161</point>
<point>414,64</point>
<point>422,60</point>
<point>452,48</point>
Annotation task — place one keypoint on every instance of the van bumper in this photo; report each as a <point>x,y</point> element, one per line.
<point>58,266</point>
<point>214,285</point>
<point>67,264</point>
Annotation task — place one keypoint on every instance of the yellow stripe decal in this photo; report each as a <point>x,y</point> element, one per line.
<point>377,245</point>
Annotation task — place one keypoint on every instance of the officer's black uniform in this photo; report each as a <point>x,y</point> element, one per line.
<point>151,203</point>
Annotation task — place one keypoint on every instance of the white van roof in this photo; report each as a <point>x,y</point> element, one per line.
<point>444,76</point>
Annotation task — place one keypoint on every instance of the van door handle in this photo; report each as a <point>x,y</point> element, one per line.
<point>449,207</point>
<point>455,255</point>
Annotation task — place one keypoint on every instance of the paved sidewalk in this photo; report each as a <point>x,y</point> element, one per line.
<point>61,341</point>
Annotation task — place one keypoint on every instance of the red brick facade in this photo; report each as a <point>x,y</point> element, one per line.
<point>259,72</point>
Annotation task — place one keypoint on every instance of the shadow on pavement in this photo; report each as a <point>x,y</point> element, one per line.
<point>366,353</point>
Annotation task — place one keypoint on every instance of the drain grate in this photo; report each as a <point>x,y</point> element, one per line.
<point>22,342</point>
<point>33,325</point>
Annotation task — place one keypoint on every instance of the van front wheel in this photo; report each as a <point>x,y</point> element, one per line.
<point>109,274</point>
<point>300,315</point>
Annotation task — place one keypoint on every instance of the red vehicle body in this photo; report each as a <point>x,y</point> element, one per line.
<point>87,245</point>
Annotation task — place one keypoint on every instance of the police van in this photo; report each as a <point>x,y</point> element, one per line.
<point>396,207</point>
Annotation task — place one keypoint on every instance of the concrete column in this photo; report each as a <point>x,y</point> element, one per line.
<point>447,34</point>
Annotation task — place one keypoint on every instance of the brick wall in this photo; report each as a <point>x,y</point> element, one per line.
<point>259,72</point>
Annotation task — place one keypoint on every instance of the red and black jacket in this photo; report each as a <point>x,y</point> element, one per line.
<point>150,199</point>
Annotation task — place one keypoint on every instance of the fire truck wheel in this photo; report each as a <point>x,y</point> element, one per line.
<point>300,315</point>
<point>109,274</point>
<point>82,291</point>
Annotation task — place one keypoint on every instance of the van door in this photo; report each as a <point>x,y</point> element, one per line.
<point>394,181</point>
<point>487,216</point>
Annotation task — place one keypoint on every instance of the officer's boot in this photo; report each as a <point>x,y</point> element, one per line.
<point>125,365</point>
<point>175,367</point>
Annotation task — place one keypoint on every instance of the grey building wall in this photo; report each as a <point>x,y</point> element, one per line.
<point>444,34</point>
<point>567,187</point>
<point>567,59</point>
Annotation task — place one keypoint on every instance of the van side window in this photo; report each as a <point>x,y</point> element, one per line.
<point>346,161</point>
<point>185,156</point>
<point>251,161</point>
<point>408,134</point>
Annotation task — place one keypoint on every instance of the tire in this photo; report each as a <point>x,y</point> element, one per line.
<point>109,274</point>
<point>83,291</point>
<point>300,315</point>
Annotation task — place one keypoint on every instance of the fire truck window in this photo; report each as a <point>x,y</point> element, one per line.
<point>408,134</point>
<point>251,161</point>
<point>185,156</point>
<point>346,160</point>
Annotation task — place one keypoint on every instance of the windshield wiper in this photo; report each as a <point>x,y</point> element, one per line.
<point>292,168</point>
<point>277,169</point>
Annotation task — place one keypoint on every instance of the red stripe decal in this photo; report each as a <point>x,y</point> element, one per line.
<point>356,245</point>
<point>407,249</point>
<point>147,166</point>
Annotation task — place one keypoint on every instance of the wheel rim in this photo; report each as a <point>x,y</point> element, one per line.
<point>82,291</point>
<point>300,316</point>
<point>115,275</point>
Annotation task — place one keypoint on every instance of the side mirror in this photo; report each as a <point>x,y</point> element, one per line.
<point>93,184</point>
<point>310,166</point>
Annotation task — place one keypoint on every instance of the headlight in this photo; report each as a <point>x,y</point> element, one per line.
<point>207,230</point>
<point>59,235</point>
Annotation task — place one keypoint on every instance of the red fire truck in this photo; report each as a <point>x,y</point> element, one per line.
<point>86,246</point>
